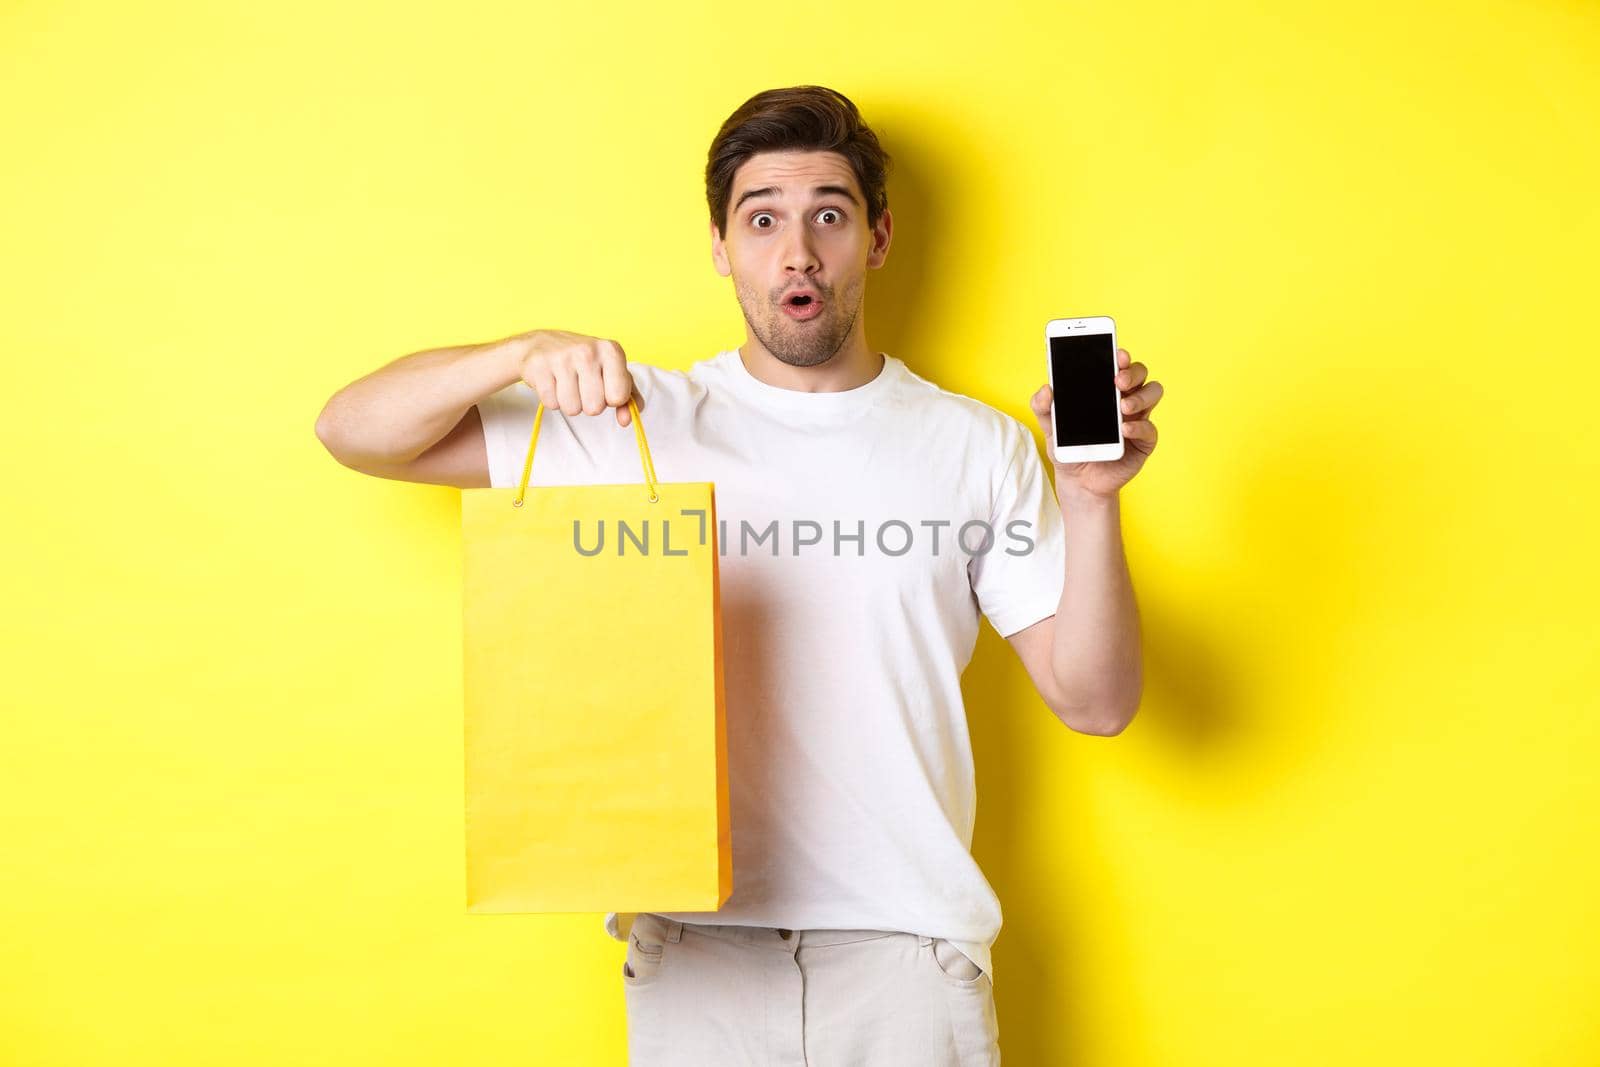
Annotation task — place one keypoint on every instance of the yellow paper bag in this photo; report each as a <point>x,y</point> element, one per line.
<point>596,754</point>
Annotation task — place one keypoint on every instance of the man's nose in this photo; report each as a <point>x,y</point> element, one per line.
<point>799,254</point>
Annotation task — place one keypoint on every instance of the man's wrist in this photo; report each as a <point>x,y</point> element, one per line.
<point>512,352</point>
<point>1082,500</point>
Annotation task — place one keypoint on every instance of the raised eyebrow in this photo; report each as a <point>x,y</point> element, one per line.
<point>816,193</point>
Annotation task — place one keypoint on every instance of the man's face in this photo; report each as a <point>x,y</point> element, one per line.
<point>798,220</point>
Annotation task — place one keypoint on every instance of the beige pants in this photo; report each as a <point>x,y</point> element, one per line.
<point>703,995</point>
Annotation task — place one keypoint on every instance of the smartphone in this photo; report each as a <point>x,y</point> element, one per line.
<point>1086,409</point>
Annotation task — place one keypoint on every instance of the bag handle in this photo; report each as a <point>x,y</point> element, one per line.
<point>638,433</point>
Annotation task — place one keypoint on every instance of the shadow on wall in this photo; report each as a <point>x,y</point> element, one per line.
<point>1201,706</point>
<point>1042,982</point>
<point>913,270</point>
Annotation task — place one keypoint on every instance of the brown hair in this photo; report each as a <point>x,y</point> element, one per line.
<point>800,118</point>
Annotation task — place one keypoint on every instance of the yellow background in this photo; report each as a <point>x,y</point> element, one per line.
<point>1355,820</point>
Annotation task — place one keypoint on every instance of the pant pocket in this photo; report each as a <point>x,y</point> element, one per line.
<point>646,952</point>
<point>969,996</point>
<point>955,964</point>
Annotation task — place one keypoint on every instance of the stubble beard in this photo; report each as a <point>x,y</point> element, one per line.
<point>799,344</point>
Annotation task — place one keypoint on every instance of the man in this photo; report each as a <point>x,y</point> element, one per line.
<point>869,516</point>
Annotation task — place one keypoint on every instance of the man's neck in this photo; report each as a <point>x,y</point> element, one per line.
<point>850,367</point>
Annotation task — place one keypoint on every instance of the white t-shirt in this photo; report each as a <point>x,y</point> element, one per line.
<point>862,532</point>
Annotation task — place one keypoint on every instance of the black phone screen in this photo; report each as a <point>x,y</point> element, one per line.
<point>1083,370</point>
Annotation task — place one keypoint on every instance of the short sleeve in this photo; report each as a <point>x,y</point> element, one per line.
<point>1019,580</point>
<point>500,412</point>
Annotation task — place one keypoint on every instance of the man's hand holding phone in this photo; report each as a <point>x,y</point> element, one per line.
<point>578,374</point>
<point>1137,398</point>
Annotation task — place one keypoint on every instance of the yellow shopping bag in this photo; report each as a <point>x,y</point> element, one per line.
<point>596,754</point>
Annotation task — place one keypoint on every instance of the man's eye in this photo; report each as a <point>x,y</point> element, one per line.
<point>755,220</point>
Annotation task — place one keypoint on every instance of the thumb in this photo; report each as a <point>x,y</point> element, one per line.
<point>624,416</point>
<point>1041,408</point>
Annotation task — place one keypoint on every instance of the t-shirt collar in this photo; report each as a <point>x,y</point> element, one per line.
<point>800,402</point>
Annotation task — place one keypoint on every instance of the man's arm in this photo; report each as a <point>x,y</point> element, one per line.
<point>415,419</point>
<point>1085,660</point>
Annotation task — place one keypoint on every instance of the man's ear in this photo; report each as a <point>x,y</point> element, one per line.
<point>881,233</point>
<point>719,254</point>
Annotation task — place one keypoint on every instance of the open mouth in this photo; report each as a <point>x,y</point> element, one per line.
<point>802,306</point>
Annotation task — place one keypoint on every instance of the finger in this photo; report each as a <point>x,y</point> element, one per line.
<point>544,383</point>
<point>614,376</point>
<point>624,414</point>
<point>1141,430</point>
<point>1139,402</point>
<point>567,398</point>
<point>1130,376</point>
<point>1123,359</point>
<point>591,390</point>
